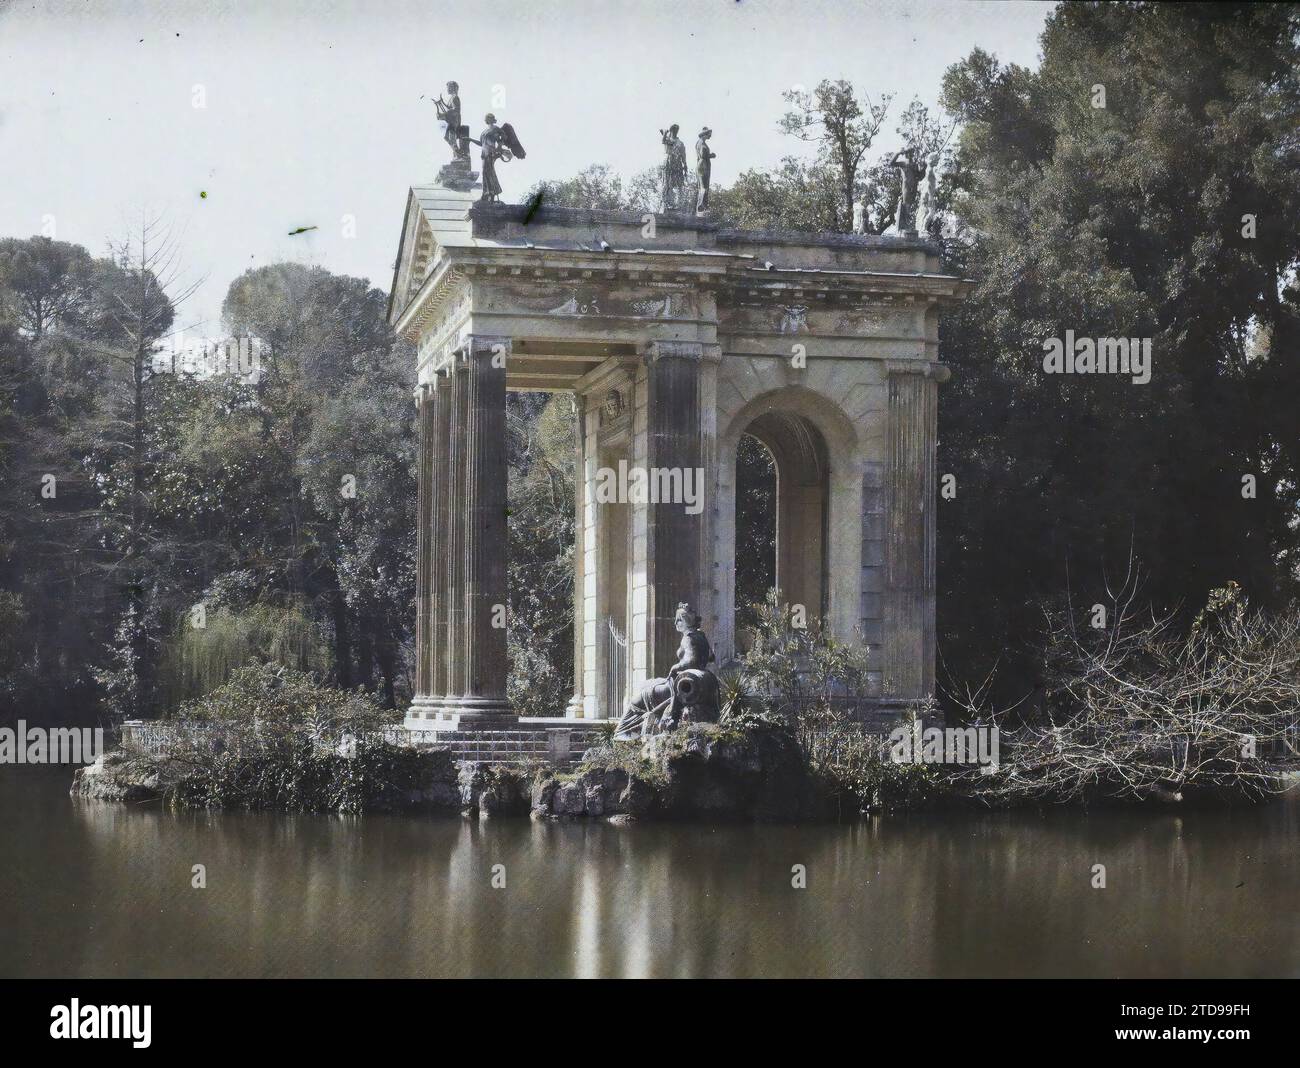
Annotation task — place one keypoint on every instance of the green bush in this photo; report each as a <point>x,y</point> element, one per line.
<point>297,777</point>
<point>196,660</point>
<point>271,696</point>
<point>274,737</point>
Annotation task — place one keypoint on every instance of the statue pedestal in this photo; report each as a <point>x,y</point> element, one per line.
<point>458,175</point>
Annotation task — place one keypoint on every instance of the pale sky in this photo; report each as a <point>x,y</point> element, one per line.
<point>313,111</point>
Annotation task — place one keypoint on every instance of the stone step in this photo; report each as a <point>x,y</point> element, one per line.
<point>504,736</point>
<point>513,745</point>
<point>498,736</point>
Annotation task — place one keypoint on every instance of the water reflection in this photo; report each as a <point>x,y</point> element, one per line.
<point>105,890</point>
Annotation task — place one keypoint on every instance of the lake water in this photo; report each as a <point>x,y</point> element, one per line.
<point>89,889</point>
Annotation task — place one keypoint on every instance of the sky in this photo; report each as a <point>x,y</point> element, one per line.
<point>293,114</point>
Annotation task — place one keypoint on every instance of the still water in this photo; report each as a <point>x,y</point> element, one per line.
<point>90,889</point>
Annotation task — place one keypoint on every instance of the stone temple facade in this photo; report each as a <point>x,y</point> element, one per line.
<point>674,337</point>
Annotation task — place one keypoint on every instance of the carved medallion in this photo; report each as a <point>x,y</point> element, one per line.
<point>612,407</point>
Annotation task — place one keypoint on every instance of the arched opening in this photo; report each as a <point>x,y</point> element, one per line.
<point>782,494</point>
<point>755,532</point>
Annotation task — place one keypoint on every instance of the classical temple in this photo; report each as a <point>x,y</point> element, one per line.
<point>674,337</point>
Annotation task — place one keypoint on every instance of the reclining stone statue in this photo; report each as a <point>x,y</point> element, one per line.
<point>688,694</point>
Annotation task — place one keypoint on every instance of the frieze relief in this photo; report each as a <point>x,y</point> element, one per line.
<point>805,318</point>
<point>595,301</point>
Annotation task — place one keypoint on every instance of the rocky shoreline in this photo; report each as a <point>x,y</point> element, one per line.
<point>747,770</point>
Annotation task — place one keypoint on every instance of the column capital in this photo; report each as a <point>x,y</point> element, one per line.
<point>478,346</point>
<point>940,372</point>
<point>675,350</point>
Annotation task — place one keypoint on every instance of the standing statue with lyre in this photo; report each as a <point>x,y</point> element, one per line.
<point>456,135</point>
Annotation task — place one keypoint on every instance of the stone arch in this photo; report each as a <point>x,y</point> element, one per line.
<point>802,462</point>
<point>819,502</point>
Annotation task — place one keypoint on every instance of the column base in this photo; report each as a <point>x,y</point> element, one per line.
<point>460,714</point>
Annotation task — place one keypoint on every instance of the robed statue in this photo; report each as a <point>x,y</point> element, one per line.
<point>929,219</point>
<point>497,144</point>
<point>688,695</point>
<point>674,171</point>
<point>910,172</point>
<point>704,157</point>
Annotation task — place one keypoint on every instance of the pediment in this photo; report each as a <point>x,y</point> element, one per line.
<point>436,217</point>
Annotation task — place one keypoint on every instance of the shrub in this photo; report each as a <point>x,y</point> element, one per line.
<point>274,737</point>
<point>298,777</point>
<point>1140,710</point>
<point>272,697</point>
<point>817,684</point>
<point>199,659</point>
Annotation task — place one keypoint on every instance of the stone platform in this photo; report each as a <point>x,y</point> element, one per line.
<point>557,746</point>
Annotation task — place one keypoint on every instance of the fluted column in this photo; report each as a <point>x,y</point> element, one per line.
<point>453,563</point>
<point>437,517</point>
<point>485,532</point>
<point>909,637</point>
<point>579,550</point>
<point>423,635</point>
<point>675,537</point>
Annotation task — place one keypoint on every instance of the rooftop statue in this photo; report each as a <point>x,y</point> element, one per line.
<point>910,172</point>
<point>929,220</point>
<point>688,694</point>
<point>703,169</point>
<point>456,135</point>
<point>674,173</point>
<point>496,143</point>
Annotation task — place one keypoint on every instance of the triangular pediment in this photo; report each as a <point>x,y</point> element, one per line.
<point>436,218</point>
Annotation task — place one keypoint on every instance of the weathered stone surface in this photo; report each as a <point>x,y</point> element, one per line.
<point>637,798</point>
<point>492,790</point>
<point>432,785</point>
<point>749,768</point>
<point>570,799</point>
<point>746,769</point>
<point>116,777</point>
<point>542,796</point>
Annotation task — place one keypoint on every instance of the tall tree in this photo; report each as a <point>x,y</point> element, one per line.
<point>46,282</point>
<point>132,313</point>
<point>843,129</point>
<point>337,429</point>
<point>599,188</point>
<point>1118,192</point>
